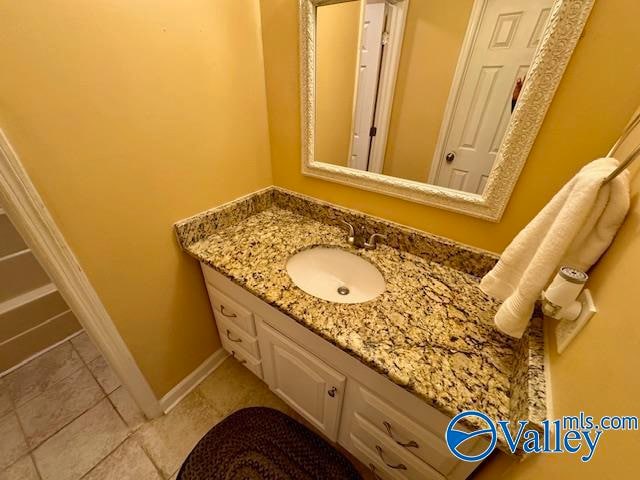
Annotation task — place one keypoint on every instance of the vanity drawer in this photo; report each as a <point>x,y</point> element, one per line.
<point>405,432</point>
<point>394,460</point>
<point>247,360</point>
<point>241,341</point>
<point>230,310</point>
<point>372,460</point>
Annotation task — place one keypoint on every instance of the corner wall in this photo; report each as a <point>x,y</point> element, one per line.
<point>598,372</point>
<point>129,116</point>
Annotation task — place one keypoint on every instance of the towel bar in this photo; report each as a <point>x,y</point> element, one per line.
<point>631,157</point>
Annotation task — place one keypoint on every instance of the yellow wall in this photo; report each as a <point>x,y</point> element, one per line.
<point>336,56</point>
<point>129,116</point>
<point>432,41</point>
<point>598,373</point>
<point>595,99</point>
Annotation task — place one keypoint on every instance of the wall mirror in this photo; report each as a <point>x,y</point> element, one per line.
<point>432,101</point>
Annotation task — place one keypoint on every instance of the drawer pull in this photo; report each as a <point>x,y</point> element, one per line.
<point>373,470</point>
<point>411,444</point>
<point>232,315</point>
<point>241,360</point>
<point>237,340</point>
<point>332,392</point>
<point>399,466</point>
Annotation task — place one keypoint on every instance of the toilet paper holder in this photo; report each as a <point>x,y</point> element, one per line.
<point>566,300</point>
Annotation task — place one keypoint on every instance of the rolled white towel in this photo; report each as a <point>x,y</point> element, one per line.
<point>575,228</point>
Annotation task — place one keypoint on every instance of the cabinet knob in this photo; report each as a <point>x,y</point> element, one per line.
<point>332,392</point>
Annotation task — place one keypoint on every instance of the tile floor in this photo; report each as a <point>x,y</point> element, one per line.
<point>65,416</point>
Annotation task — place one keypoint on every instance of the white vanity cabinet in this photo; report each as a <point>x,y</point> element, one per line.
<point>396,441</point>
<point>305,382</point>
<point>387,428</point>
<point>237,329</point>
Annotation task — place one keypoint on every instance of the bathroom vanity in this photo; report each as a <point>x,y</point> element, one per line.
<point>384,426</point>
<point>383,377</point>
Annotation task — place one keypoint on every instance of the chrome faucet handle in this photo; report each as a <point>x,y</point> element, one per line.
<point>372,243</point>
<point>351,238</point>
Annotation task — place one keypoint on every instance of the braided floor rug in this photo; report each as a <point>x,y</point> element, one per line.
<point>264,444</point>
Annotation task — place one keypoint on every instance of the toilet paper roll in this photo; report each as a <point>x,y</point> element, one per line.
<point>566,286</point>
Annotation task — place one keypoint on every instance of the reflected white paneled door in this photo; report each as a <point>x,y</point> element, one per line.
<point>304,381</point>
<point>507,35</point>
<point>369,59</point>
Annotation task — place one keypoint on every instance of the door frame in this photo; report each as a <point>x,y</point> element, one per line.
<point>357,83</point>
<point>470,36</point>
<point>397,22</point>
<point>31,218</point>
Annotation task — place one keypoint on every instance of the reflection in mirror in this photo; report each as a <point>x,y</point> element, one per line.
<point>421,89</point>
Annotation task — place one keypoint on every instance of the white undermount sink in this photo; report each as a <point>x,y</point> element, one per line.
<point>335,275</point>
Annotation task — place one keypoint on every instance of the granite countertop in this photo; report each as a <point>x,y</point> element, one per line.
<point>431,331</point>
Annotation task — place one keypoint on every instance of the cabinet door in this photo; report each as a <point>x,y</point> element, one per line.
<point>310,386</point>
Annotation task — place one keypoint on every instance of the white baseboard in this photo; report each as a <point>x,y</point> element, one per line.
<point>192,380</point>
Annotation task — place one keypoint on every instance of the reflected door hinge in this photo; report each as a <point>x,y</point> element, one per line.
<point>385,38</point>
<point>373,132</point>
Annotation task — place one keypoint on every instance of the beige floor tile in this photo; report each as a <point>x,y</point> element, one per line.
<point>82,444</point>
<point>12,442</point>
<point>229,385</point>
<point>85,347</point>
<point>170,438</point>
<point>36,376</point>
<point>127,462</point>
<point>104,374</point>
<point>23,469</point>
<point>5,400</point>
<point>127,408</point>
<point>47,413</point>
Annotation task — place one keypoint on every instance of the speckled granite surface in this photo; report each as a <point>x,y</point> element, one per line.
<point>432,247</point>
<point>528,394</point>
<point>431,331</point>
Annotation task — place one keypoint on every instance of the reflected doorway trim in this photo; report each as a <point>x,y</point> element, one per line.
<point>564,28</point>
<point>27,211</point>
<point>387,87</point>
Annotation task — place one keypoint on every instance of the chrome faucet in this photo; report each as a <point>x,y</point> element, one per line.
<point>358,241</point>
<point>373,241</point>
<point>351,237</point>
